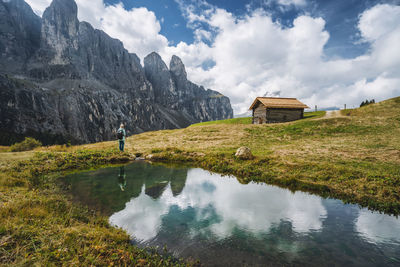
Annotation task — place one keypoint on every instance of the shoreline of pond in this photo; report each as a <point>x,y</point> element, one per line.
<point>247,171</point>
<point>35,179</point>
<point>190,209</point>
<point>60,231</point>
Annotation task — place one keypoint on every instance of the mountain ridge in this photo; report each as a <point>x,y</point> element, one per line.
<point>76,84</point>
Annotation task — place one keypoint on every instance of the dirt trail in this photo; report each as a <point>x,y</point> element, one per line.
<point>331,114</point>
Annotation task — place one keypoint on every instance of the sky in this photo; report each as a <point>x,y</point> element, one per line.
<point>324,52</point>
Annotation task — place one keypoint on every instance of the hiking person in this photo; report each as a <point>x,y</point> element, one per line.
<point>121,136</point>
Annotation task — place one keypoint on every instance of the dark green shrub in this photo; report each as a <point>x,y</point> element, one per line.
<point>29,143</point>
<point>367,102</point>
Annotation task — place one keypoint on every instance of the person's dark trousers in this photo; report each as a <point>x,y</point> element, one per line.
<point>121,145</point>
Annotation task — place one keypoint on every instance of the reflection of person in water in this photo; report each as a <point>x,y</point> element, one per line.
<point>122,178</point>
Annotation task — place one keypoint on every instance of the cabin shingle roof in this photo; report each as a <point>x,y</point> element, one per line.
<point>279,102</point>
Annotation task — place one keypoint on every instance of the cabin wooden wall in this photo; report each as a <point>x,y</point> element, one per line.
<point>283,114</point>
<point>274,115</point>
<point>259,114</point>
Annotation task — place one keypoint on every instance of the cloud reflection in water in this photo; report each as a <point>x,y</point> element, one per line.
<point>376,227</point>
<point>253,207</point>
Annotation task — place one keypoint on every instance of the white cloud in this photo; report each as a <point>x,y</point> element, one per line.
<point>137,28</point>
<point>379,21</point>
<point>292,2</point>
<point>254,54</point>
<point>38,6</point>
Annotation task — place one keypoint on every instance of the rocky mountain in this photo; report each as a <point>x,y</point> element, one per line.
<point>19,35</point>
<point>62,80</point>
<point>173,89</point>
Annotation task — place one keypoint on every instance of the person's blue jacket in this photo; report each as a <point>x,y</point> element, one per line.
<point>123,138</point>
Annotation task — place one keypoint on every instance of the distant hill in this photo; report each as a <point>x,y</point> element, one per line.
<point>243,115</point>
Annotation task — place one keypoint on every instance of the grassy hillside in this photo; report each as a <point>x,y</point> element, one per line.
<point>353,155</point>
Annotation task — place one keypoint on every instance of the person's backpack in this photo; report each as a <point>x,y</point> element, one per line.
<point>120,134</point>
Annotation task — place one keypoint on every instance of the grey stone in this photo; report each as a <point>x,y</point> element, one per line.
<point>149,157</point>
<point>244,153</point>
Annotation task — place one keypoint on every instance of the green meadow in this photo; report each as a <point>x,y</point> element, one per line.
<point>353,155</point>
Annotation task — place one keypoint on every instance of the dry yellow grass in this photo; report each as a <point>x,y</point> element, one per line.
<point>228,137</point>
<point>6,158</point>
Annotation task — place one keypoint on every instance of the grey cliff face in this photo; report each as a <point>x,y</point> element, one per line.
<point>176,91</point>
<point>60,27</point>
<point>71,82</point>
<point>177,68</point>
<point>158,74</point>
<point>19,35</point>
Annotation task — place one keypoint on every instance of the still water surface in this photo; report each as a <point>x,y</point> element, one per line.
<point>216,219</point>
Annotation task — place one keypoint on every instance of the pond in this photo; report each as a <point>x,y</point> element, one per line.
<point>201,215</point>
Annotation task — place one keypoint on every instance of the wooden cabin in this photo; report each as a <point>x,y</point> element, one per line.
<point>276,109</point>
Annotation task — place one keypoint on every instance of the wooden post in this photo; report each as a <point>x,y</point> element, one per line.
<point>316,109</point>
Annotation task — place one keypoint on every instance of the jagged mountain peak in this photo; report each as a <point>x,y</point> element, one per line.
<point>63,16</point>
<point>154,62</point>
<point>67,6</point>
<point>60,27</point>
<point>66,9</point>
<point>177,67</point>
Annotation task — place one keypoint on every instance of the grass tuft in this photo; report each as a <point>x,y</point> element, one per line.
<point>27,144</point>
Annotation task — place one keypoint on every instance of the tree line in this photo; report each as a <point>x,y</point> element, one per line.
<point>367,102</point>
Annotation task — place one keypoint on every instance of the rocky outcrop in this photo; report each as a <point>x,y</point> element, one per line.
<point>74,111</point>
<point>159,76</point>
<point>19,35</point>
<point>75,50</point>
<point>71,82</point>
<point>173,89</point>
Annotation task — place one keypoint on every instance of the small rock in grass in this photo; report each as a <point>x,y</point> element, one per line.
<point>244,153</point>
